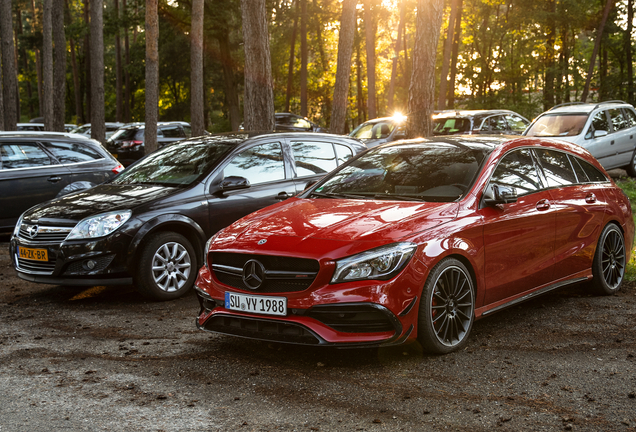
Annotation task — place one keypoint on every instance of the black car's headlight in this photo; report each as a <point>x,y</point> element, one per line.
<point>380,263</point>
<point>100,225</point>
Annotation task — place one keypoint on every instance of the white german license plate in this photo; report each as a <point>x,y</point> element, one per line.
<point>256,304</point>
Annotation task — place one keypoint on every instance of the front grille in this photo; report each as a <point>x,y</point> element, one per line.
<point>283,274</point>
<point>44,233</point>
<point>354,318</point>
<point>36,266</point>
<point>261,329</point>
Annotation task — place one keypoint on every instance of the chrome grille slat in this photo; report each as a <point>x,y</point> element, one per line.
<point>44,233</point>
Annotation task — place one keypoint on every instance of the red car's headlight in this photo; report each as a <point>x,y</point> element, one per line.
<point>380,263</point>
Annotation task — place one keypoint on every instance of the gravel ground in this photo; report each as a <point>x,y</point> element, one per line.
<point>105,359</point>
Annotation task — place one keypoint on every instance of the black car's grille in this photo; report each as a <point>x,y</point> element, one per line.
<point>282,274</point>
<point>262,329</point>
<point>44,233</point>
<point>36,266</point>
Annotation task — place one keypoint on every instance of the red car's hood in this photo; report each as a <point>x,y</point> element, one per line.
<point>307,225</point>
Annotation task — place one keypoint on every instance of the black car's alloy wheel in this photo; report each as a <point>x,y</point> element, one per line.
<point>447,307</point>
<point>608,267</point>
<point>167,267</point>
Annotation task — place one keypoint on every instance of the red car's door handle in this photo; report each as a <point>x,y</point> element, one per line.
<point>590,199</point>
<point>543,205</point>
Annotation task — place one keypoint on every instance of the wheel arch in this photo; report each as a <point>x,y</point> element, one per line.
<point>170,223</point>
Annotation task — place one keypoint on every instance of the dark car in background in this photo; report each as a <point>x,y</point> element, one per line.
<point>288,122</point>
<point>149,224</point>
<point>38,166</point>
<point>472,122</point>
<point>85,129</point>
<point>127,144</point>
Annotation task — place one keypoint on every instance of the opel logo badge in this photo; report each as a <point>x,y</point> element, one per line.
<point>253,274</point>
<point>32,231</point>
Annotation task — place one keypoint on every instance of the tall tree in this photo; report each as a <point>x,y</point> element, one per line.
<point>152,75</point>
<point>119,70</point>
<point>628,51</point>
<point>127,91</point>
<point>1,97</point>
<point>59,66</point>
<point>87,62</point>
<point>9,80</point>
<point>303,58</point>
<point>597,44</point>
<point>343,71</point>
<point>47,64</point>
<point>446,57</point>
<point>422,87</point>
<point>196,69</point>
<point>370,30</point>
<point>38,66</point>
<point>454,54</point>
<point>98,114</point>
<point>231,92</point>
<point>292,60</point>
<point>259,90</point>
<point>396,56</point>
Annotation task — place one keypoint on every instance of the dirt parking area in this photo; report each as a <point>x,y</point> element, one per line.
<point>103,358</point>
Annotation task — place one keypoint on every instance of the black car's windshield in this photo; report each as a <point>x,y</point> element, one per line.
<point>179,164</point>
<point>374,130</point>
<point>452,125</point>
<point>557,125</point>
<point>430,171</point>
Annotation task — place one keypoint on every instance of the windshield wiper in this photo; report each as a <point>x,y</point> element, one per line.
<point>336,195</point>
<point>398,197</point>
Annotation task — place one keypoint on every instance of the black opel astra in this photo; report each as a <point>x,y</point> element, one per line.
<point>148,225</point>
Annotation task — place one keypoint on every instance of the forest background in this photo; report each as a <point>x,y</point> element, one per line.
<point>523,55</point>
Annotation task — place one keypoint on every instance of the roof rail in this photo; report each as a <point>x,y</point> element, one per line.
<point>609,102</point>
<point>566,104</point>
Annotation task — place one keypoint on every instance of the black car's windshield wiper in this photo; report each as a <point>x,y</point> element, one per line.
<point>337,195</point>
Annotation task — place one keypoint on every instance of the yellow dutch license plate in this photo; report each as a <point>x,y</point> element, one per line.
<point>33,254</point>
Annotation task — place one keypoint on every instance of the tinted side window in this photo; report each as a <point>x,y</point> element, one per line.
<point>556,167</point>
<point>516,123</point>
<point>301,123</point>
<point>22,155</point>
<point>581,175</point>
<point>593,174</point>
<point>259,164</point>
<point>497,124</point>
<point>599,122</point>
<point>618,119</point>
<point>313,158</point>
<point>172,132</point>
<point>517,169</point>
<point>343,153</point>
<point>72,152</point>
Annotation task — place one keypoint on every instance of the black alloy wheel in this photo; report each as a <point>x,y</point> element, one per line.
<point>609,262</point>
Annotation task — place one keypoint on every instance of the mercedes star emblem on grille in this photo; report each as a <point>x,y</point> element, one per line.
<point>32,231</point>
<point>253,274</point>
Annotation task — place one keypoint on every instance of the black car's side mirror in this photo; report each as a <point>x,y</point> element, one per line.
<point>231,183</point>
<point>498,194</point>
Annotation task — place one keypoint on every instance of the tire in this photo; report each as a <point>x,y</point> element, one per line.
<point>608,267</point>
<point>631,167</point>
<point>167,267</point>
<point>447,308</point>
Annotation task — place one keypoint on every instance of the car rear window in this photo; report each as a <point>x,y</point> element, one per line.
<point>66,152</point>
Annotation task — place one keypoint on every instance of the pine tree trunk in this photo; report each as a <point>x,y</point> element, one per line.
<point>446,58</point>
<point>1,98</point>
<point>119,100</point>
<point>98,117</point>
<point>370,30</point>
<point>597,44</point>
<point>59,67</point>
<point>258,103</point>
<point>290,68</point>
<point>324,62</point>
<point>152,75</point>
<point>79,107</point>
<point>47,64</point>
<point>303,58</point>
<point>231,93</point>
<point>127,95</point>
<point>396,57</point>
<point>422,87</point>
<point>196,70</point>
<point>87,63</point>
<point>343,71</point>
<point>11,97</point>
<point>454,55</point>
<point>628,51</point>
<point>359,91</point>
<point>25,66</point>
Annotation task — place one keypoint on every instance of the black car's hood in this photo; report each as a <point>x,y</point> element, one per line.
<point>100,199</point>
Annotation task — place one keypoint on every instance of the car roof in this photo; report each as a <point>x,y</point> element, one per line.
<point>472,113</point>
<point>585,108</point>
<point>239,138</point>
<point>42,135</point>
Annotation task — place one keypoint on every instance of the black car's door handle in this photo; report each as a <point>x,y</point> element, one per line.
<point>282,196</point>
<point>54,179</point>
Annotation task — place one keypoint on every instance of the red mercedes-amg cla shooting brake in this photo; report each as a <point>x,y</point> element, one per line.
<point>415,240</point>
